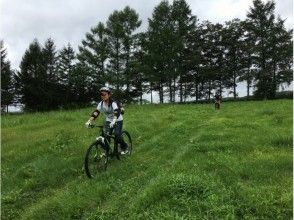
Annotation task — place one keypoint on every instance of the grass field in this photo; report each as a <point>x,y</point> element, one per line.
<point>189,162</point>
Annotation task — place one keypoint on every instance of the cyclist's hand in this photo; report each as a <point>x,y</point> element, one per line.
<point>88,124</point>
<point>112,124</point>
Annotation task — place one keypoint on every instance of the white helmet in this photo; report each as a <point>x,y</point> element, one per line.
<point>105,89</point>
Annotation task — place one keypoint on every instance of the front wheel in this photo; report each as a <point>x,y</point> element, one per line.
<point>96,159</point>
<point>128,140</point>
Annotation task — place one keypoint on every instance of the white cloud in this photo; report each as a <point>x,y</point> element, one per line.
<point>69,20</point>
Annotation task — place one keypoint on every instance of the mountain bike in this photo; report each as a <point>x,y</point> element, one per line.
<point>97,157</point>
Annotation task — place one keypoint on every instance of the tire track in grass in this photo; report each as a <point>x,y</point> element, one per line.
<point>163,168</point>
<point>145,177</point>
<point>155,139</point>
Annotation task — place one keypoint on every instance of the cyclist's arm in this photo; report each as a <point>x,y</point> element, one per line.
<point>94,115</point>
<point>116,111</point>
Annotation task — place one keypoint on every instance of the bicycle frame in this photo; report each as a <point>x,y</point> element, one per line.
<point>107,137</point>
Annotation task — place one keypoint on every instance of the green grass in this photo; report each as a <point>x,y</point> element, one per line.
<point>189,162</point>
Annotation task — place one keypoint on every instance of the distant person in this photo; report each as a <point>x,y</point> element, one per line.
<point>114,118</point>
<point>217,101</point>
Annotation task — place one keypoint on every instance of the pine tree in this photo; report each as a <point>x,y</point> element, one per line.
<point>93,55</point>
<point>260,25</point>
<point>248,73</point>
<point>282,56</point>
<point>30,82</point>
<point>137,68</point>
<point>159,47</point>
<point>115,68</point>
<point>49,59</point>
<point>212,59</point>
<point>52,97</point>
<point>219,62</point>
<point>65,68</point>
<point>130,23</point>
<point>232,37</point>
<point>37,83</point>
<point>121,26</point>
<point>79,85</point>
<point>184,45</point>
<point>7,85</point>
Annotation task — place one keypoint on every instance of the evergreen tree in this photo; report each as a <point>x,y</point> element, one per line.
<point>160,46</point>
<point>30,82</point>
<point>185,49</point>
<point>79,85</point>
<point>52,97</point>
<point>233,34</point>
<point>212,62</point>
<point>65,67</point>
<point>219,62</point>
<point>282,56</point>
<point>137,68</point>
<point>116,65</point>
<point>130,23</point>
<point>267,35</point>
<point>49,60</point>
<point>7,91</point>
<point>36,82</point>
<point>93,55</point>
<point>248,73</point>
<point>121,26</point>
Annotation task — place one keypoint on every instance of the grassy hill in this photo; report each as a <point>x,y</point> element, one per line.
<point>189,162</point>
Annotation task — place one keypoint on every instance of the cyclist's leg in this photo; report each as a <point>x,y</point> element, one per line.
<point>118,137</point>
<point>106,130</point>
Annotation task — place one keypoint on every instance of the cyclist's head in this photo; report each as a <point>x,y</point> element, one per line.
<point>105,93</point>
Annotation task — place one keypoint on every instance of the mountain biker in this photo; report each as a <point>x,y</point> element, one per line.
<point>217,101</point>
<point>114,118</point>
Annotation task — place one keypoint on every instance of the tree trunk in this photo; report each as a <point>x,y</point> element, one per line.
<point>235,85</point>
<point>220,89</point>
<point>170,91</point>
<point>248,82</point>
<point>181,88</point>
<point>174,89</point>
<point>274,88</point>
<point>161,93</point>
<point>248,87</point>
<point>196,91</point>
<point>209,90</point>
<point>151,93</point>
<point>185,92</point>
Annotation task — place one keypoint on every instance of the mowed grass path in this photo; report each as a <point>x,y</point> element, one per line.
<point>189,162</point>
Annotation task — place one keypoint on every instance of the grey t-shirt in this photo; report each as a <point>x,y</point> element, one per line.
<point>108,110</point>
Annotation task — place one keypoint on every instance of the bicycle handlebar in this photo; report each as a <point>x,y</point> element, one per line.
<point>101,127</point>
<point>97,126</point>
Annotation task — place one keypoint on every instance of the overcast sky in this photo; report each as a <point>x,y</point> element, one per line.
<point>67,21</point>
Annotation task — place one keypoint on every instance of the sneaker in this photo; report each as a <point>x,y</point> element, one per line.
<point>124,152</point>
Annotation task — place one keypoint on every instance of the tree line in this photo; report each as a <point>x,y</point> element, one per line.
<point>177,56</point>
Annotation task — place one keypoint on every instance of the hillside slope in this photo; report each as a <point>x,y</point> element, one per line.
<point>189,162</point>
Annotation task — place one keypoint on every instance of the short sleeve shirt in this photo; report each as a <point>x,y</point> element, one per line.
<point>108,110</point>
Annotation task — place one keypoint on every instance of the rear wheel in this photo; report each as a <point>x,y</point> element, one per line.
<point>95,159</point>
<point>128,140</point>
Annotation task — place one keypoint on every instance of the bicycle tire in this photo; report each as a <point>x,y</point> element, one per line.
<point>97,163</point>
<point>127,138</point>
